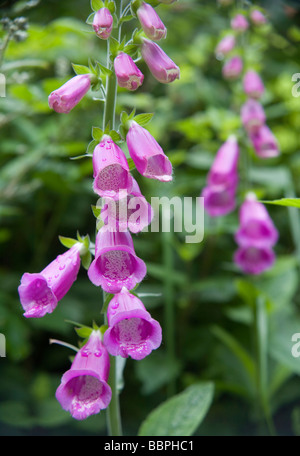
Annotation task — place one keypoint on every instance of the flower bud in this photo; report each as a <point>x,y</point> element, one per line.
<point>224,168</point>
<point>257,17</point>
<point>127,73</point>
<point>103,23</point>
<point>232,68</point>
<point>252,115</point>
<point>69,95</point>
<point>239,23</point>
<point>151,22</point>
<point>253,85</point>
<point>225,45</point>
<point>159,63</point>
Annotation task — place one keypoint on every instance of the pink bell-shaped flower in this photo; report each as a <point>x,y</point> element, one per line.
<point>219,200</point>
<point>264,142</point>
<point>131,329</point>
<point>111,171</point>
<point>127,73</point>
<point>256,226</point>
<point>253,85</point>
<point>254,260</point>
<point>40,292</point>
<point>239,23</point>
<point>132,212</point>
<point>232,68</point>
<point>84,390</point>
<point>224,168</point>
<point>151,23</point>
<point>148,156</point>
<point>64,99</point>
<point>252,115</point>
<point>115,265</point>
<point>103,23</point>
<point>159,63</point>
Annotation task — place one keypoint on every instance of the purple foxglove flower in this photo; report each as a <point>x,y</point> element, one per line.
<point>232,68</point>
<point>40,292</point>
<point>219,200</point>
<point>151,23</point>
<point>147,154</point>
<point>115,265</point>
<point>264,143</point>
<point>256,226</point>
<point>224,168</point>
<point>257,17</point>
<point>69,95</point>
<point>131,329</point>
<point>159,63</point>
<point>254,260</point>
<point>239,23</point>
<point>111,171</point>
<point>103,23</point>
<point>127,73</point>
<point>84,390</point>
<point>253,85</point>
<point>132,212</point>
<point>252,115</point>
<point>225,45</point>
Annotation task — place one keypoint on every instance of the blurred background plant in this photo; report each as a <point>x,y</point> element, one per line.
<point>205,304</point>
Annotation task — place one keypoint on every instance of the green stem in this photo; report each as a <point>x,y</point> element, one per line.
<point>113,411</point>
<point>4,47</point>
<point>261,330</point>
<point>169,303</point>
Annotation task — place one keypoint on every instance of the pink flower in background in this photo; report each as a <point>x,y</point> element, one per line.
<point>219,200</point>
<point>254,260</point>
<point>225,45</point>
<point>127,73</point>
<point>253,85</point>
<point>40,292</point>
<point>252,115</point>
<point>159,63</point>
<point>111,170</point>
<point>148,156</point>
<point>239,23</point>
<point>256,226</point>
<point>232,68</point>
<point>70,94</point>
<point>264,142</point>
<point>115,265</point>
<point>84,390</point>
<point>132,212</point>
<point>103,23</point>
<point>224,168</point>
<point>131,329</point>
<point>257,17</point>
<point>151,23</point>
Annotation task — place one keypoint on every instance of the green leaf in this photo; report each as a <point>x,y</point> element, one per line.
<point>96,211</point>
<point>97,4</point>
<point>97,133</point>
<point>86,260</point>
<point>143,119</point>
<point>67,242</point>
<point>81,69</point>
<point>126,18</point>
<point>182,414</point>
<point>287,202</point>
<point>115,46</point>
<point>103,70</point>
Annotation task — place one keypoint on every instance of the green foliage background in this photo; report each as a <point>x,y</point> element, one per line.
<point>44,194</point>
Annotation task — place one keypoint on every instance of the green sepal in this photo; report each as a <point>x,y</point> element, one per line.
<point>143,119</point>
<point>84,331</point>
<point>107,300</point>
<point>67,242</point>
<point>81,69</point>
<point>90,18</point>
<point>103,328</point>
<point>96,211</point>
<point>134,6</point>
<point>97,134</point>
<point>91,147</point>
<point>78,157</point>
<point>86,260</point>
<point>97,4</point>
